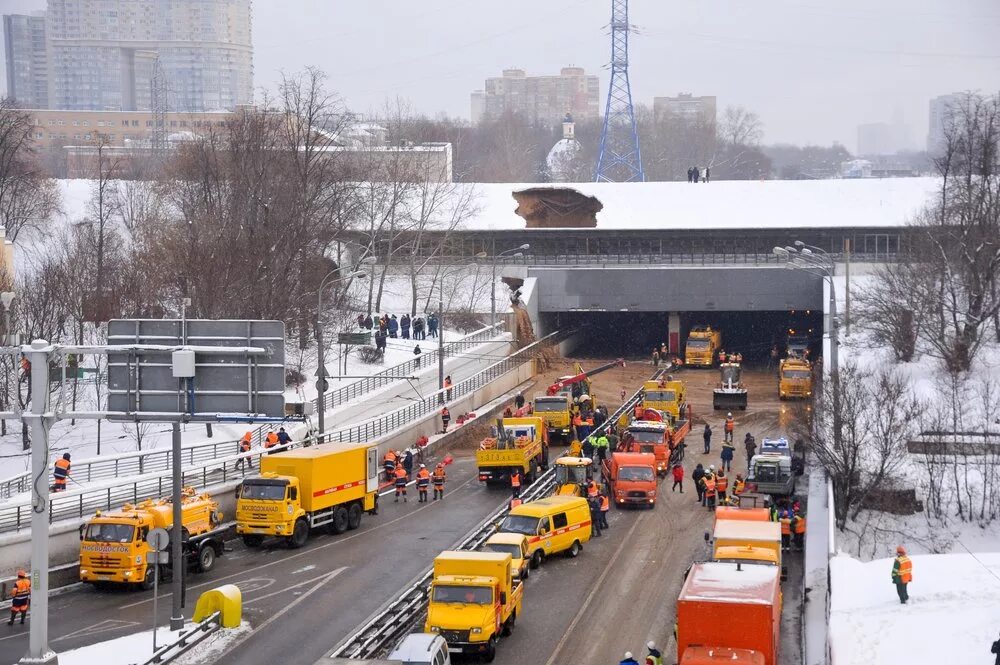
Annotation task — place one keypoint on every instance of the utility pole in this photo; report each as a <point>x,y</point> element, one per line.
<point>39,419</point>
<point>176,551</point>
<point>619,159</point>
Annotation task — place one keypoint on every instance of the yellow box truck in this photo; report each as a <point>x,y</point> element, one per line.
<point>474,599</point>
<point>703,344</point>
<point>301,489</point>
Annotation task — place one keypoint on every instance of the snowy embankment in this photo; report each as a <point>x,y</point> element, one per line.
<point>953,615</point>
<point>138,647</point>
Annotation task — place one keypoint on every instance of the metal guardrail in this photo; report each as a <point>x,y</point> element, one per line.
<point>152,461</point>
<point>187,640</point>
<point>598,259</point>
<point>380,633</point>
<point>83,502</point>
<point>354,390</point>
<point>378,427</point>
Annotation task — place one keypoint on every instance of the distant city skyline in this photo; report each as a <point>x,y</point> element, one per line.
<point>812,72</point>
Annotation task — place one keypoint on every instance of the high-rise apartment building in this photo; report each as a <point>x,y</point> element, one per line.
<point>102,54</point>
<point>541,99</point>
<point>686,106</point>
<point>27,59</point>
<point>942,110</point>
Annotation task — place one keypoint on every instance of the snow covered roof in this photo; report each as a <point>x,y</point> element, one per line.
<point>749,530</point>
<point>730,582</point>
<point>732,204</point>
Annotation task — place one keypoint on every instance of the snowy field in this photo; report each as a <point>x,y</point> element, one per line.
<point>953,615</point>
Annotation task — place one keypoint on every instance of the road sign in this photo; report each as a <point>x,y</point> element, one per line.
<point>321,371</point>
<point>229,385</point>
<point>162,558</point>
<point>354,338</point>
<point>158,539</point>
<point>322,385</point>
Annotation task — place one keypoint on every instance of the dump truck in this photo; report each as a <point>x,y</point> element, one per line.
<point>730,393</point>
<point>795,379</point>
<point>658,436</point>
<point>473,600</point>
<point>302,489</point>
<point>666,394</point>
<point>572,475</point>
<point>718,596</point>
<point>702,346</point>
<point>554,409</point>
<point>113,547</point>
<point>521,443</point>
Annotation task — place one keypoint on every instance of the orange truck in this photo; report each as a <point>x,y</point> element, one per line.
<point>718,596</point>
<point>632,479</point>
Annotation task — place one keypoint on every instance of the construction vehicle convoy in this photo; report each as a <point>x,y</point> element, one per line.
<point>716,598</point>
<point>702,346</point>
<point>521,443</point>
<point>795,378</point>
<point>473,600</point>
<point>305,488</point>
<point>730,393</point>
<point>113,547</point>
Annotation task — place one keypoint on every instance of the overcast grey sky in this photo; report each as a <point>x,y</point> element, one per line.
<point>813,70</point>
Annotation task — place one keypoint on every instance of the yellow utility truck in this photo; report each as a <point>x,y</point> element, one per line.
<point>113,547</point>
<point>301,489</point>
<point>702,347</point>
<point>667,395</point>
<point>474,599</point>
<point>521,443</point>
<point>554,410</point>
<point>795,379</point>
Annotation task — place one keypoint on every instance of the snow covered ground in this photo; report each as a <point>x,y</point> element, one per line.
<point>953,615</point>
<point>138,648</point>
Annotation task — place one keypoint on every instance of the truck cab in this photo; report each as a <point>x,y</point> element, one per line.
<point>669,395</point>
<point>554,409</point>
<point>703,344</point>
<point>652,437</point>
<point>795,379</point>
<point>632,479</point>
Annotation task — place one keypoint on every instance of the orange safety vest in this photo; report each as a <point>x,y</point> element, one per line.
<point>21,594</point>
<point>272,440</point>
<point>390,457</point>
<point>577,420</point>
<point>248,437</point>
<point>61,472</point>
<point>722,484</point>
<point>400,474</point>
<point>709,486</point>
<point>423,478</point>
<point>730,424</point>
<point>445,414</point>
<point>905,569</point>
<point>786,526</point>
<point>605,503</point>
<point>592,489</point>
<point>799,525</point>
<point>439,476</point>
<point>515,480</point>
<point>739,486</point>
<point>514,503</point>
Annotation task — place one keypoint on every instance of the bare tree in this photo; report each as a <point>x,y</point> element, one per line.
<point>889,308</point>
<point>740,127</point>
<point>28,199</point>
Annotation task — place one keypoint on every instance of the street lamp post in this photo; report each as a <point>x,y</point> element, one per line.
<point>321,383</point>
<point>493,290</point>
<point>478,255</point>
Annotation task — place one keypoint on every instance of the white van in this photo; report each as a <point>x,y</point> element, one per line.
<point>421,649</point>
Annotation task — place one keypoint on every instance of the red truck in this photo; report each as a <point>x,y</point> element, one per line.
<point>717,598</point>
<point>632,479</point>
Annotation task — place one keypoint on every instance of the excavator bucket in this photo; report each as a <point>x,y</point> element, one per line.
<point>729,399</point>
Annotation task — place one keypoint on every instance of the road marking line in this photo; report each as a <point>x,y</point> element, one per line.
<point>309,551</point>
<point>593,591</point>
<point>330,575</point>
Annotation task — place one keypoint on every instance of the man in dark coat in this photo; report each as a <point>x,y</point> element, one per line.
<point>696,476</point>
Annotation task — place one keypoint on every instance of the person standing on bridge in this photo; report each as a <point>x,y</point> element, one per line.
<point>60,473</point>
<point>438,478</point>
<point>902,574</point>
<point>245,444</point>
<point>707,436</point>
<point>401,480</point>
<point>445,419</point>
<point>284,438</point>
<point>20,597</point>
<point>447,387</point>
<point>416,355</point>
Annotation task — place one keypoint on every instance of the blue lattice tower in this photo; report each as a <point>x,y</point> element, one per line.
<point>619,159</point>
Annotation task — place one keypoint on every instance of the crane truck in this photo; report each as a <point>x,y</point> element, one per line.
<point>113,547</point>
<point>554,405</point>
<point>730,393</point>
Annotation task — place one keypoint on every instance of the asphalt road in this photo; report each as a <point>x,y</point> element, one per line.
<point>621,591</point>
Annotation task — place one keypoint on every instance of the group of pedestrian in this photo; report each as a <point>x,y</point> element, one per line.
<point>653,656</point>
<point>392,326</point>
<point>712,486</point>
<point>600,505</point>
<point>698,174</point>
<point>398,467</point>
<point>787,511</point>
<point>271,440</point>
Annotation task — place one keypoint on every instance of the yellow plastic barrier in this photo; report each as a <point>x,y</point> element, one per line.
<point>226,599</point>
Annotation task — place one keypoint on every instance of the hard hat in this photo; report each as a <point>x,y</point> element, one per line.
<point>712,467</point>
<point>651,644</point>
<point>628,654</point>
<point>729,415</point>
<point>422,466</point>
<point>66,456</point>
<point>900,550</point>
<point>21,573</point>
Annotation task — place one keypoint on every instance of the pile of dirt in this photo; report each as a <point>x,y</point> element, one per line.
<point>524,335</point>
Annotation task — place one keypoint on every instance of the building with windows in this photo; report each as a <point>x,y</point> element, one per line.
<point>686,106</point>
<point>27,59</point>
<point>120,128</point>
<point>108,55</point>
<point>541,99</point>
<point>942,112</point>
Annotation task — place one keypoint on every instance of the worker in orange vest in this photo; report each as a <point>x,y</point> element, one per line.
<point>577,426</point>
<point>271,440</point>
<point>515,482</point>
<point>592,489</point>
<point>730,427</point>
<point>438,478</point>
<point>423,482</point>
<point>902,574</point>
<point>445,419</point>
<point>605,507</point>
<point>739,486</point>
<point>786,529</point>
<point>389,464</point>
<point>798,532</point>
<point>708,482</point>
<point>245,445</point>
<point>20,597</point>
<point>515,502</point>
<point>60,473</point>
<point>721,485</point>
<point>400,484</point>
<point>447,386</point>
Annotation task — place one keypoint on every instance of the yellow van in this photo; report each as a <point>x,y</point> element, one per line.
<point>753,542</point>
<point>516,546</point>
<point>553,524</point>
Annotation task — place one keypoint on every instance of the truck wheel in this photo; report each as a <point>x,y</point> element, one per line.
<point>508,625</point>
<point>206,558</point>
<point>491,650</point>
<point>300,532</point>
<point>147,580</point>
<point>574,549</point>
<point>252,540</point>
<point>354,516</point>
<point>536,558</point>
<point>339,523</point>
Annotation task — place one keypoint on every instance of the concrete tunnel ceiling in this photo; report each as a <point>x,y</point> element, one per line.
<point>676,289</point>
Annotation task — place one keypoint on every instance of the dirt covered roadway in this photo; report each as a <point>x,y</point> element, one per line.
<point>621,591</point>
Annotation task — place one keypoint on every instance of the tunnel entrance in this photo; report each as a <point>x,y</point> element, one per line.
<point>633,335</point>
